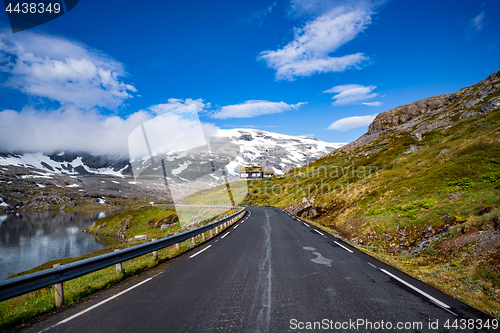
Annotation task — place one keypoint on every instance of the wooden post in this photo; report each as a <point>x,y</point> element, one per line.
<point>155,253</point>
<point>118,266</point>
<point>217,229</point>
<point>203,237</point>
<point>59,291</point>
<point>178,246</point>
<point>211,233</point>
<point>193,241</point>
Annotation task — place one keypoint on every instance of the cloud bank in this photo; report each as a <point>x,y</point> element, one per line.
<point>309,52</point>
<point>67,130</point>
<point>349,123</point>
<point>353,94</point>
<point>253,108</point>
<point>59,69</point>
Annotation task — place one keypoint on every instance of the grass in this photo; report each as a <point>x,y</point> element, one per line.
<point>148,220</point>
<point>21,309</point>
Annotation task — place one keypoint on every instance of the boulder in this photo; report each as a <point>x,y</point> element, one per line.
<point>489,106</point>
<point>444,151</point>
<point>448,219</point>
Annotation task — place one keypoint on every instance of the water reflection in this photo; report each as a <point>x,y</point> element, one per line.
<point>30,239</point>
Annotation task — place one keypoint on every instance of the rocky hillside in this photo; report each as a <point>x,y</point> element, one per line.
<point>422,185</point>
<point>428,114</point>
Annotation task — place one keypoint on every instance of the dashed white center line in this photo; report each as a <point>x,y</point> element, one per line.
<point>305,225</point>
<point>194,255</point>
<point>236,226</point>
<point>342,246</point>
<point>225,234</point>
<point>438,302</point>
<point>372,265</point>
<point>319,232</point>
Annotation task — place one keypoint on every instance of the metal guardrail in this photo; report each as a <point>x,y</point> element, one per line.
<point>204,206</point>
<point>31,282</point>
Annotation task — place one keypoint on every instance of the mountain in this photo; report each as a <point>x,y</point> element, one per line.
<point>420,190</point>
<point>70,179</point>
<point>277,152</point>
<point>70,163</point>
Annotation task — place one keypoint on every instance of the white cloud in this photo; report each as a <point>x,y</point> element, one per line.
<point>372,103</point>
<point>348,123</point>
<point>353,94</point>
<point>477,22</point>
<point>253,108</point>
<point>68,129</point>
<point>174,103</point>
<point>72,129</point>
<point>308,53</point>
<point>69,72</point>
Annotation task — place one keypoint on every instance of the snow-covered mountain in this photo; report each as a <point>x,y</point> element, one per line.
<point>273,151</point>
<point>69,163</point>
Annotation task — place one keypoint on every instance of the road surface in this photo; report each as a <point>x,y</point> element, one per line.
<point>268,273</point>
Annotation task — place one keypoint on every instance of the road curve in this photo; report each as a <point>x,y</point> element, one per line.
<point>270,272</point>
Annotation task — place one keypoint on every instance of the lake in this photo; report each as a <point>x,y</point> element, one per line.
<point>29,239</point>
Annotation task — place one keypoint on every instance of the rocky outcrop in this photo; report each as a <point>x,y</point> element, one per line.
<point>467,98</point>
<point>403,114</point>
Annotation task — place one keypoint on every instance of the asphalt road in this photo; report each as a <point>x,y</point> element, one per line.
<point>270,273</point>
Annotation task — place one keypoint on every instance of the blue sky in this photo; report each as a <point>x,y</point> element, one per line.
<point>86,79</point>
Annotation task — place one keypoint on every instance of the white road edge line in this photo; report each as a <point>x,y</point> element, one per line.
<point>453,313</point>
<point>319,232</point>
<point>416,289</point>
<point>225,235</point>
<point>342,246</point>
<point>99,304</point>
<point>372,265</point>
<point>194,255</point>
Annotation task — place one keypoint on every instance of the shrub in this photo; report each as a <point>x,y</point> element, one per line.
<point>411,214</point>
<point>492,177</point>
<point>394,209</point>
<point>409,208</point>
<point>464,183</point>
<point>428,203</point>
<point>376,211</point>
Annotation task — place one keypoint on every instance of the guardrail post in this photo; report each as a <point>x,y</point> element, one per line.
<point>59,291</point>
<point>193,240</point>
<point>211,233</point>
<point>203,237</point>
<point>217,229</point>
<point>178,246</point>
<point>155,253</point>
<point>118,266</point>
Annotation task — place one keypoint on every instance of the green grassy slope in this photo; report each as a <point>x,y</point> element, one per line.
<point>429,207</point>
